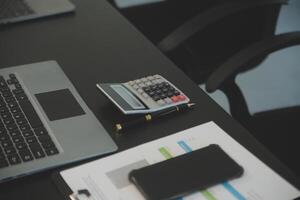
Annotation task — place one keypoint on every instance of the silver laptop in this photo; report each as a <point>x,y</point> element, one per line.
<point>44,122</point>
<point>20,10</point>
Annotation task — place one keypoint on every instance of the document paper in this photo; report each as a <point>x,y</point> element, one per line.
<point>107,178</point>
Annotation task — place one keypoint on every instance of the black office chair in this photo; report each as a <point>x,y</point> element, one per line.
<point>219,71</point>
<point>277,129</point>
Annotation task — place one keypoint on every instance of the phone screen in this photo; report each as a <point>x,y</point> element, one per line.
<point>184,174</point>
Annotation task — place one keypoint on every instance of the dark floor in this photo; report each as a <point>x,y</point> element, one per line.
<point>278,130</point>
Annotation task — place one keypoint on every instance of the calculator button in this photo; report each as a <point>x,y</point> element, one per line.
<point>144,79</point>
<point>142,85</point>
<point>176,93</point>
<point>131,83</point>
<point>158,92</point>
<point>153,87</point>
<point>165,90</point>
<point>161,102</point>
<point>168,100</point>
<point>152,93</point>
<point>148,83</point>
<point>181,97</point>
<point>150,78</point>
<point>145,95</point>
<point>138,81</point>
<point>140,90</point>
<point>160,85</point>
<point>170,94</point>
<point>147,89</point>
<point>175,99</point>
<point>156,98</point>
<point>162,96</point>
<point>155,81</point>
<point>156,76</point>
<point>135,86</point>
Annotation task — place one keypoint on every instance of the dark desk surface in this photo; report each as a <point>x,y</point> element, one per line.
<point>97,44</point>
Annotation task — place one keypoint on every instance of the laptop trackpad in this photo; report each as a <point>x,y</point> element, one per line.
<point>59,104</point>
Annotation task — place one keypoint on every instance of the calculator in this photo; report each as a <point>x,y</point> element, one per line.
<point>145,95</point>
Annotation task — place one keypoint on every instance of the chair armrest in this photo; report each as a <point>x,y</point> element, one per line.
<point>202,20</point>
<point>250,53</point>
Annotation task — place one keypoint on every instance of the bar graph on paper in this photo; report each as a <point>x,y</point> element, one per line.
<point>107,179</point>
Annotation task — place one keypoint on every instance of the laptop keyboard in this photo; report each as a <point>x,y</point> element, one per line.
<point>14,8</point>
<point>23,136</point>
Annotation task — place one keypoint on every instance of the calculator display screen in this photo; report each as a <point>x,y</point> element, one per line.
<point>128,97</point>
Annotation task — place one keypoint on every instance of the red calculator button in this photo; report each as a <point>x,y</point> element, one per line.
<point>181,97</point>
<point>175,99</point>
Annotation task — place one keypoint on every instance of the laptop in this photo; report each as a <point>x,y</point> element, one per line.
<point>44,122</point>
<point>19,10</point>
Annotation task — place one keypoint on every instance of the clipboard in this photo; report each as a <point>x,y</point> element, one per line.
<point>65,190</point>
<point>111,176</point>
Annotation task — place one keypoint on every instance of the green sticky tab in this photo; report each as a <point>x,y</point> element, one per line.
<point>165,153</point>
<point>208,195</point>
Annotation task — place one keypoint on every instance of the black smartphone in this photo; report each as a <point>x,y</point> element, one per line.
<point>185,174</point>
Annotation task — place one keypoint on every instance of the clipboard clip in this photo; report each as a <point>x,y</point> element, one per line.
<point>75,195</point>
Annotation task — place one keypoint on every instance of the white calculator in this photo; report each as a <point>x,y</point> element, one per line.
<point>145,95</point>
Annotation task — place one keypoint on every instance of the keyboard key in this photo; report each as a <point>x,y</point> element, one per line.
<point>7,143</point>
<point>10,99</point>
<point>21,146</point>
<point>38,153</point>
<point>3,109</point>
<point>27,133</point>
<point>14,133</point>
<point>21,121</point>
<point>9,82</point>
<point>51,151</point>
<point>26,155</point>
<point>14,159</point>
<point>11,127</point>
<point>7,94</point>
<point>18,139</point>
<point>3,131</point>
<point>18,86</point>
<point>10,150</point>
<point>21,97</point>
<point>6,115</point>
<point>48,144</point>
<point>4,89</point>
<point>2,104</point>
<point>24,127</point>
<point>2,82</point>
<point>40,131</point>
<point>44,138</point>
<point>18,91</point>
<point>8,121</point>
<point>12,76</point>
<point>18,115</point>
<point>12,105</point>
<point>15,110</point>
<point>31,140</point>
<point>4,137</point>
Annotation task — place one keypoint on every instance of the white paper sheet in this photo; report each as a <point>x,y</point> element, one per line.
<point>107,178</point>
